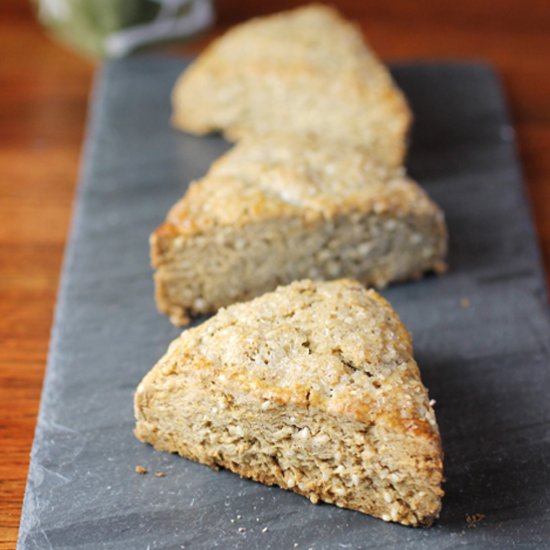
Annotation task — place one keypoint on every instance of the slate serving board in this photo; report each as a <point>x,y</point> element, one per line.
<point>487,365</point>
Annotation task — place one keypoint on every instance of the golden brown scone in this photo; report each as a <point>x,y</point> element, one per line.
<point>300,72</point>
<point>312,388</point>
<point>278,209</point>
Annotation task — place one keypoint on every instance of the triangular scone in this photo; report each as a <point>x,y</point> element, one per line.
<point>301,72</point>
<point>313,388</point>
<point>278,209</point>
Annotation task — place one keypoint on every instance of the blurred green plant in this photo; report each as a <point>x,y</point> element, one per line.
<point>114,28</point>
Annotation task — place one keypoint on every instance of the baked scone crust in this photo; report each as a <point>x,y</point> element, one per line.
<point>304,72</point>
<point>313,388</point>
<point>277,209</point>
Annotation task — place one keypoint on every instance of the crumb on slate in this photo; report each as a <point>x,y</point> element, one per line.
<point>242,529</point>
<point>160,474</point>
<point>141,470</point>
<point>473,519</point>
<point>264,530</point>
<point>465,303</point>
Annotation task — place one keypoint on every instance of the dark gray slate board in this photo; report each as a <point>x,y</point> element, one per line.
<point>488,366</point>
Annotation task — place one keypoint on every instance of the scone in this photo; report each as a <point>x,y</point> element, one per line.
<point>312,388</point>
<point>300,72</point>
<point>278,209</point>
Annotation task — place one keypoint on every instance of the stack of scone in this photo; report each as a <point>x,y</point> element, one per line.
<point>312,387</point>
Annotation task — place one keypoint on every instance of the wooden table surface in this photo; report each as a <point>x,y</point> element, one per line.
<point>43,101</point>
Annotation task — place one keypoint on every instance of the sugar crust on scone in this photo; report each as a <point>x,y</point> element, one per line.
<point>313,388</point>
<point>304,72</point>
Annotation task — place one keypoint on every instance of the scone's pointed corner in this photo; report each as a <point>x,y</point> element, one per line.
<point>163,243</point>
<point>177,118</point>
<point>160,241</point>
<point>184,104</point>
<point>311,387</point>
<point>140,404</point>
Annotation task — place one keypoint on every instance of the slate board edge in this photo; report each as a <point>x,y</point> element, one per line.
<point>513,151</point>
<point>84,179</point>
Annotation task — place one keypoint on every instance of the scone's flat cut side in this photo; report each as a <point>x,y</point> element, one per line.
<point>278,209</point>
<point>312,388</point>
<point>300,72</point>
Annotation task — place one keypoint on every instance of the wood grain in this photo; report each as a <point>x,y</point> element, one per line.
<point>43,101</point>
